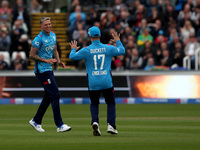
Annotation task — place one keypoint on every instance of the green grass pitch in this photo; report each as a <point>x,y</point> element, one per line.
<point>140,127</point>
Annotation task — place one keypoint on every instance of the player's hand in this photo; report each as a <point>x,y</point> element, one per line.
<point>51,61</point>
<point>73,45</point>
<point>116,37</point>
<point>61,64</point>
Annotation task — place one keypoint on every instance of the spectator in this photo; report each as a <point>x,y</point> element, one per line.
<point>78,22</point>
<point>190,48</point>
<point>126,33</point>
<point>152,4</point>
<point>178,54</point>
<point>18,63</point>
<point>133,5</point>
<point>104,17</point>
<point>109,22</point>
<point>36,7</point>
<point>182,13</point>
<point>169,14</point>
<point>158,57</point>
<point>3,64</point>
<point>154,15</point>
<point>173,43</point>
<point>119,63</point>
<point>147,48</point>
<point>23,45</point>
<point>140,28</point>
<point>150,64</point>
<point>77,32</point>
<point>186,31</point>
<point>145,36</point>
<point>5,8</point>
<point>16,34</point>
<point>92,16</point>
<point>155,27</point>
<point>146,56</point>
<point>160,38</point>
<point>139,14</point>
<point>73,15</point>
<point>22,24</point>
<point>74,4</point>
<point>5,20</point>
<point>117,7</point>
<point>163,46</point>
<point>21,10</point>
<point>126,19</point>
<point>136,59</point>
<point>166,60</point>
<point>172,33</point>
<point>5,40</point>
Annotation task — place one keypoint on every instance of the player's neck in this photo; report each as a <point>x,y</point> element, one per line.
<point>95,39</point>
<point>48,33</point>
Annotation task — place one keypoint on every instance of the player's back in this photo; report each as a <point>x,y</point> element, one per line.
<point>98,59</point>
<point>98,65</point>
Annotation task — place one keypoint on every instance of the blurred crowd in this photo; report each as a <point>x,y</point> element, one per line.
<point>15,31</point>
<point>156,33</point>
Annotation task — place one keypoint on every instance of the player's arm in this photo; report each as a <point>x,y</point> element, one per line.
<point>56,55</point>
<point>33,55</point>
<point>73,54</point>
<point>119,50</point>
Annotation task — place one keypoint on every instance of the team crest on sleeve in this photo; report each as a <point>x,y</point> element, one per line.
<point>37,43</point>
<point>54,38</point>
<point>118,49</point>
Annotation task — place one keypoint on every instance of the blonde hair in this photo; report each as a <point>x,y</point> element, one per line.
<point>44,19</point>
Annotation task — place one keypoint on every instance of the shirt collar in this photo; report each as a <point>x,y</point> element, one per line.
<point>96,41</point>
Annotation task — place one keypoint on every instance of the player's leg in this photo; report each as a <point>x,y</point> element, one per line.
<point>94,106</point>
<point>45,101</point>
<point>111,109</point>
<point>37,120</point>
<point>42,109</point>
<point>54,94</point>
<point>94,109</point>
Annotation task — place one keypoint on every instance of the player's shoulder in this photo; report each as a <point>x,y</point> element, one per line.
<point>53,33</point>
<point>39,36</point>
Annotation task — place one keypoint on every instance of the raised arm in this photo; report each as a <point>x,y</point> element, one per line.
<point>76,55</point>
<point>119,50</point>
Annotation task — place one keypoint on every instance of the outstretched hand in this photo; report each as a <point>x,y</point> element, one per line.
<point>73,45</point>
<point>116,37</point>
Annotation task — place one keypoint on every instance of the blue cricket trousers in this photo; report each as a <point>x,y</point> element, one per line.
<point>51,96</point>
<point>110,101</point>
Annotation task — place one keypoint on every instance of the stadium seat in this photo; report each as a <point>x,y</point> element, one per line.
<point>6,57</point>
<point>14,55</point>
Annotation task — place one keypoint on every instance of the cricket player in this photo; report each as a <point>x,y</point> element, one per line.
<point>42,51</point>
<point>98,59</point>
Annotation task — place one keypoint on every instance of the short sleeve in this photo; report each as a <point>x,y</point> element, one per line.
<point>37,42</point>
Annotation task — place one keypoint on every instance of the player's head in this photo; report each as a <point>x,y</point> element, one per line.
<point>94,32</point>
<point>45,23</point>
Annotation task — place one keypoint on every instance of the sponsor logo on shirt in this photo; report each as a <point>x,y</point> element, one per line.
<point>50,48</point>
<point>37,43</point>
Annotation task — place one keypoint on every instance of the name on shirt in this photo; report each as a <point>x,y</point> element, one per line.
<point>96,73</point>
<point>100,50</point>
